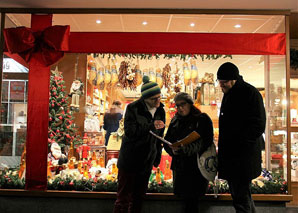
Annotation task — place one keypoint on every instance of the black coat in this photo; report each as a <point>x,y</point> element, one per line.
<point>139,149</point>
<point>241,125</point>
<point>111,121</point>
<point>188,180</point>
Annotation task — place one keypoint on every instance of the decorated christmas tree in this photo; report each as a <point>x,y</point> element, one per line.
<point>62,129</point>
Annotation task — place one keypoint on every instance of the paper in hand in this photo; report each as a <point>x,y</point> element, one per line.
<point>193,136</point>
<point>161,138</point>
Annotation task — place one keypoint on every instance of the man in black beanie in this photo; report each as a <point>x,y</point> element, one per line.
<point>242,122</point>
<point>139,150</point>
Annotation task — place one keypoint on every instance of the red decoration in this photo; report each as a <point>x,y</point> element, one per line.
<point>40,46</point>
<point>50,42</point>
<point>179,43</point>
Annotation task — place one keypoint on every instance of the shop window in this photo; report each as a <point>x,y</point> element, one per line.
<point>103,84</point>
<point>84,86</point>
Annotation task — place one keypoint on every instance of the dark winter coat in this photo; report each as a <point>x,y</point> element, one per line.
<point>241,125</point>
<point>111,124</point>
<point>188,180</point>
<point>111,121</point>
<point>140,150</point>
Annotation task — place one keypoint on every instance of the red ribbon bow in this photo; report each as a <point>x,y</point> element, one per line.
<point>51,42</point>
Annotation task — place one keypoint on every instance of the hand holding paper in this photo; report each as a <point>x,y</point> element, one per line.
<point>193,136</point>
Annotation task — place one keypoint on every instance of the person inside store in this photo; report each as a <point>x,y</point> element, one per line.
<point>242,122</point>
<point>111,120</point>
<point>188,182</point>
<point>139,150</point>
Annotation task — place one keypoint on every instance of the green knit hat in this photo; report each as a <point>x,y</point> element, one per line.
<point>149,88</point>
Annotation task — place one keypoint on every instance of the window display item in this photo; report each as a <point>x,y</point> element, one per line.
<point>112,168</point>
<point>114,79</point>
<point>76,90</point>
<point>205,94</point>
<point>23,164</point>
<point>139,75</point>
<point>49,170</point>
<point>187,74</point>
<point>56,154</point>
<point>159,77</point>
<point>194,71</point>
<point>84,149</point>
<point>70,151</point>
<point>91,70</point>
<point>167,171</point>
<point>100,76</point>
<point>91,124</point>
<point>108,75</point>
<point>86,171</point>
<point>158,175</point>
<point>166,76</point>
<point>127,78</point>
<point>71,163</point>
<point>152,75</point>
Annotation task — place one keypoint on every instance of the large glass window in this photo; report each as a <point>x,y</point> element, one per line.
<point>83,88</point>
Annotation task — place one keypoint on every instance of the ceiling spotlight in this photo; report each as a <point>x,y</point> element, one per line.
<point>98,21</point>
<point>144,23</point>
<point>237,26</point>
<point>192,24</point>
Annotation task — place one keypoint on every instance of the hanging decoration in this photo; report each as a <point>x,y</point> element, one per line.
<point>166,76</point>
<point>76,90</point>
<point>127,75</point>
<point>182,57</point>
<point>194,71</point>
<point>187,74</point>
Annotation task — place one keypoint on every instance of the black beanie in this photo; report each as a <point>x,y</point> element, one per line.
<point>228,71</point>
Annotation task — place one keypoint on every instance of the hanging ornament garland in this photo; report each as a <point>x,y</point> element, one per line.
<point>130,74</point>
<point>183,57</point>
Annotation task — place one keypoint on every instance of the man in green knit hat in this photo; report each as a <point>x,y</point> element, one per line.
<point>139,150</point>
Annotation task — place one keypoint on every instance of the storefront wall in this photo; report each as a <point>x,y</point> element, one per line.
<point>275,78</point>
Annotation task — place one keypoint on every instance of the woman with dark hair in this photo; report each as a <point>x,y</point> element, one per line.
<point>189,183</point>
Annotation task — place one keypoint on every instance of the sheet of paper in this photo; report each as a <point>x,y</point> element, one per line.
<point>161,138</point>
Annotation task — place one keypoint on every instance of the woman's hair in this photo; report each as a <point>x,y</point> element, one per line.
<point>117,103</point>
